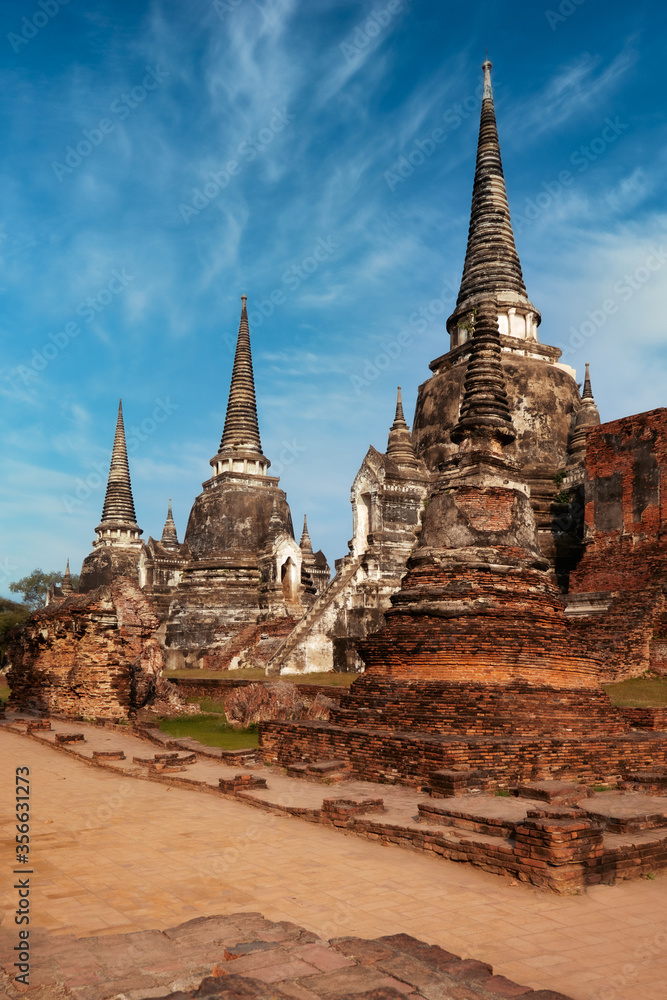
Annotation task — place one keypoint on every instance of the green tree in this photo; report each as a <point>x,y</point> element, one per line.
<point>34,587</point>
<point>11,614</point>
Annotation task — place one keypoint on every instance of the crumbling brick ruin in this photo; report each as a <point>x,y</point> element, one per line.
<point>618,592</point>
<point>92,655</point>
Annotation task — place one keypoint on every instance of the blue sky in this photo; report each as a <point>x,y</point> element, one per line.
<point>161,159</point>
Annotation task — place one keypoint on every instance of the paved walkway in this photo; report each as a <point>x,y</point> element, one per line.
<point>114,854</point>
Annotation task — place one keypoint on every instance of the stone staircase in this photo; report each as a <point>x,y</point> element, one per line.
<point>296,654</point>
<point>249,645</point>
<point>232,650</point>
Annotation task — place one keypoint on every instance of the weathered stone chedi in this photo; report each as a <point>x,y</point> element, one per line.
<point>551,424</point>
<point>477,665</point>
<point>542,392</point>
<point>477,602</point>
<point>242,574</point>
<point>390,490</point>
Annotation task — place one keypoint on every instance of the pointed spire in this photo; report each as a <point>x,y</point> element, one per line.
<point>305,544</point>
<point>491,263</point>
<point>399,418</point>
<point>484,408</point>
<point>492,266</point>
<point>169,533</point>
<point>66,585</point>
<point>399,444</point>
<point>118,503</point>
<point>487,66</point>
<point>241,427</point>
<point>587,416</point>
<point>240,447</point>
<point>588,392</point>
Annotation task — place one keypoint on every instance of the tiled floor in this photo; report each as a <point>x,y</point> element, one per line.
<point>115,854</point>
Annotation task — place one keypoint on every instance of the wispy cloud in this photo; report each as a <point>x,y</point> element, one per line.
<point>575,88</point>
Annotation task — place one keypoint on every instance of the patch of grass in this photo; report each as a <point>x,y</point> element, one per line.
<point>502,793</point>
<point>638,692</point>
<point>256,674</point>
<point>602,788</point>
<point>210,706</point>
<point>212,731</point>
<point>330,679</point>
<point>251,674</point>
<point>4,690</point>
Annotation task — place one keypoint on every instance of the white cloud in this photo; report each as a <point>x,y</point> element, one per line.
<point>577,87</point>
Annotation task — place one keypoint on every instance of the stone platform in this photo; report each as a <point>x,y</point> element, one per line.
<point>556,835</point>
<point>411,756</point>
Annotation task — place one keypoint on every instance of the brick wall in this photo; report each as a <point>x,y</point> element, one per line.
<point>626,504</point>
<point>626,520</point>
<point>476,709</point>
<point>646,718</point>
<point>403,758</point>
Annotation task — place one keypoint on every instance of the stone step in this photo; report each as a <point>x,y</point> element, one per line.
<point>617,811</point>
<point>102,755</point>
<point>168,762</point>
<point>430,814</point>
<point>321,770</point>
<point>241,783</point>
<point>448,784</point>
<point>338,811</point>
<point>555,812</point>
<point>313,617</point>
<point>495,816</point>
<point>38,725</point>
<point>645,781</point>
<point>557,792</point>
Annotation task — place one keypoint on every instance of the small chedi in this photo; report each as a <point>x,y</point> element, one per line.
<point>117,548</point>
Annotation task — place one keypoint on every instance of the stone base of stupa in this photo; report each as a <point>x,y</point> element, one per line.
<point>409,756</point>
